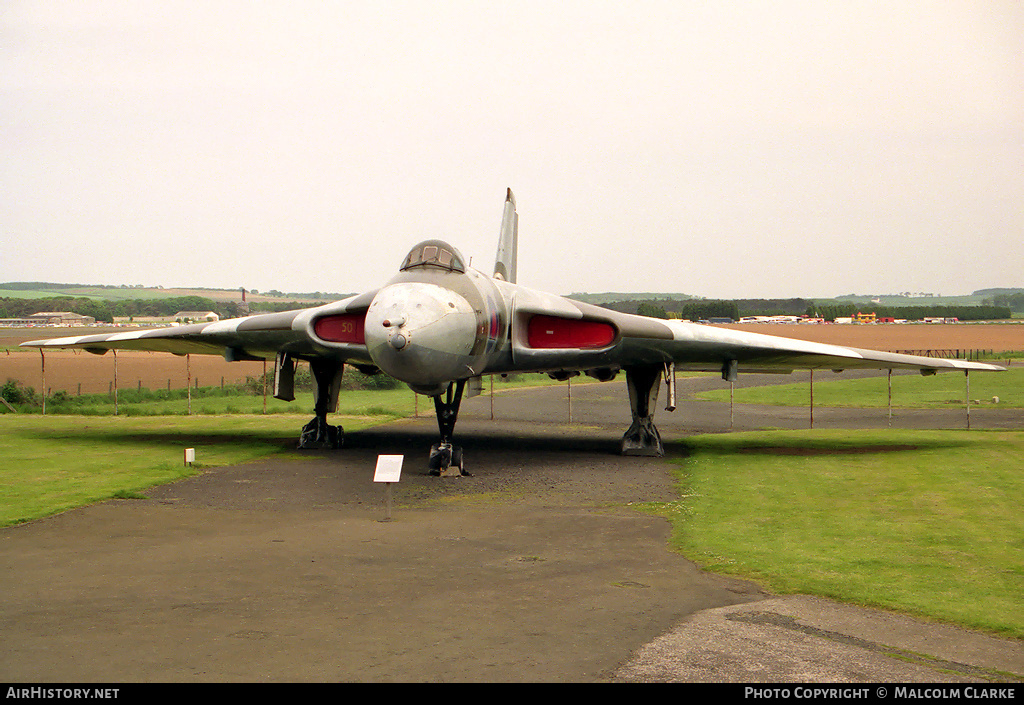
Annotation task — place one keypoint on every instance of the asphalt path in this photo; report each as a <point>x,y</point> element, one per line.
<point>537,568</point>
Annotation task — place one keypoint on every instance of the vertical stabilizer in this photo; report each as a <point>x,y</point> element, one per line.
<point>508,242</point>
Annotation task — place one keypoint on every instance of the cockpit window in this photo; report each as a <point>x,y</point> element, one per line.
<point>434,253</point>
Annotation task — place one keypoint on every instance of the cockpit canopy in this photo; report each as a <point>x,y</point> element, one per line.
<point>434,253</point>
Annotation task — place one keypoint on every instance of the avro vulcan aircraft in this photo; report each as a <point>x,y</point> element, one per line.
<point>438,325</point>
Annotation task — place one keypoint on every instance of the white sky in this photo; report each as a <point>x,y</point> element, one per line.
<point>722,149</point>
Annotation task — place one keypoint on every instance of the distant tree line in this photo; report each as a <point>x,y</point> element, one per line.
<point>692,309</point>
<point>652,310</point>
<point>275,306</point>
<point>105,311</point>
<point>1014,302</point>
<point>704,309</point>
<point>911,313</point>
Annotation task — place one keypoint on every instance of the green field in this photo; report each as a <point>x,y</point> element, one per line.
<point>40,294</point>
<point>908,391</point>
<point>924,522</point>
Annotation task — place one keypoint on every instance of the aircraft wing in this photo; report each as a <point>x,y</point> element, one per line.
<point>257,337</point>
<point>555,333</point>
<point>757,352</point>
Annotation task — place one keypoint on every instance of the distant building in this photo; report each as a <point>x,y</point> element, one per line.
<point>60,318</point>
<point>196,316</point>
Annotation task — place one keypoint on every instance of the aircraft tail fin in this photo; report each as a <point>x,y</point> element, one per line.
<point>508,242</point>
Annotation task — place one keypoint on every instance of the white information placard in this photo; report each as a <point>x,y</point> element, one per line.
<point>389,468</point>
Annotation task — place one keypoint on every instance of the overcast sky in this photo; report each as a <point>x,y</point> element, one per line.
<point>722,149</point>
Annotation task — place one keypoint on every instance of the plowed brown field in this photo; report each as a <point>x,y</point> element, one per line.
<point>66,369</point>
<point>77,371</point>
<point>903,337</point>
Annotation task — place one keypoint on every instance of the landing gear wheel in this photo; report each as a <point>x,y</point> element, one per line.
<point>446,460</point>
<point>320,435</point>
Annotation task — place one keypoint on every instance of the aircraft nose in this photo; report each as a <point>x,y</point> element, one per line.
<point>421,334</point>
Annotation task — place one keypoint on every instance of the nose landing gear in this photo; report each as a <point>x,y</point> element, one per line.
<point>446,459</point>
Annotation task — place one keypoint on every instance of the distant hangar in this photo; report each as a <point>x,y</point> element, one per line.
<point>50,318</point>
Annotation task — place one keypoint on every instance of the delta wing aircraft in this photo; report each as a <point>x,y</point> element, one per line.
<point>438,325</point>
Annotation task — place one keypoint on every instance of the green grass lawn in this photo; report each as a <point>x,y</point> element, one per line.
<point>924,522</point>
<point>55,463</point>
<point>908,391</point>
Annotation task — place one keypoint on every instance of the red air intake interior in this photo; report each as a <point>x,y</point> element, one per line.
<point>552,332</point>
<point>342,328</point>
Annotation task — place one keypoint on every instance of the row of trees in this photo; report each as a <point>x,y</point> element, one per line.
<point>703,309</point>
<point>698,310</point>
<point>105,311</point>
<point>1014,302</point>
<point>694,310</point>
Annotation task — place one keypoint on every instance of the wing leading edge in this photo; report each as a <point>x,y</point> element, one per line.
<point>768,352</point>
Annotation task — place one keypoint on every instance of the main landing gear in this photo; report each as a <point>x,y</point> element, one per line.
<point>643,438</point>
<point>446,459</point>
<point>317,434</point>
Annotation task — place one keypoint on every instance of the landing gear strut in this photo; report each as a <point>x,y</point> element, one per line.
<point>643,438</point>
<point>318,434</point>
<point>445,458</point>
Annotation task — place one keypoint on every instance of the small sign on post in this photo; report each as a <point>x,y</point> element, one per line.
<point>389,471</point>
<point>190,456</point>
